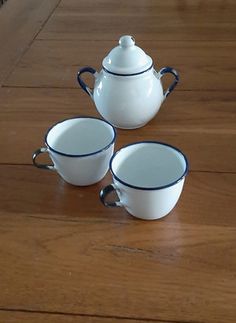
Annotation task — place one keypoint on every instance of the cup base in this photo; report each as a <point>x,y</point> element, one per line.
<point>148,218</point>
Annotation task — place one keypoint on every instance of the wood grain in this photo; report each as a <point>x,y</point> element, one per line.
<point>181,272</point>
<point>36,317</point>
<point>185,120</point>
<point>20,21</point>
<point>202,65</point>
<point>206,111</point>
<point>208,199</point>
<point>147,20</point>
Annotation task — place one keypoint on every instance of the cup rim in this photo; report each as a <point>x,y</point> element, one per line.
<point>149,188</point>
<point>80,155</point>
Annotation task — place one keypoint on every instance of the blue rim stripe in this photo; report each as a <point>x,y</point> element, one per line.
<point>149,188</point>
<point>133,74</point>
<point>82,155</point>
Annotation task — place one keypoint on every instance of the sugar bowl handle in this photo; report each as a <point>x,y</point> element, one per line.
<point>87,89</point>
<point>172,71</point>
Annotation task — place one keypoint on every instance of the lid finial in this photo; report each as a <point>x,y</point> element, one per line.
<point>127,41</point>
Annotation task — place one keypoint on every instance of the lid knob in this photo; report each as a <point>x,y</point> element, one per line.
<point>127,41</point>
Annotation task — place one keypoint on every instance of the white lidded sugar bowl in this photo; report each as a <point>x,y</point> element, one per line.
<point>128,91</point>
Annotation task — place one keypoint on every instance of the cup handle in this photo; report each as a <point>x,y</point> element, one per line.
<point>86,69</point>
<point>105,192</point>
<point>172,71</point>
<point>35,155</point>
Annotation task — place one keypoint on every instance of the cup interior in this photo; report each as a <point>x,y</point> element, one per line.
<point>80,136</point>
<point>149,165</point>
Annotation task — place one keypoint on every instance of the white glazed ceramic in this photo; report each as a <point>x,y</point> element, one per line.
<point>148,178</point>
<point>80,149</point>
<point>128,91</point>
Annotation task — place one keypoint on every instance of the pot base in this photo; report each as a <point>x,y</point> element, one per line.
<point>128,128</point>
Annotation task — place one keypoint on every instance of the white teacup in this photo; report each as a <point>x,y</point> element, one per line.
<point>80,149</point>
<point>148,178</point>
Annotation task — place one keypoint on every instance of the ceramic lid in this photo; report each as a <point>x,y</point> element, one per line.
<point>127,58</point>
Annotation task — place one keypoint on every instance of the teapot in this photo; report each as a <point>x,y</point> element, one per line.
<point>127,91</point>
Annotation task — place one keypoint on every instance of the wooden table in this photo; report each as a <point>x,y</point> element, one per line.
<point>66,258</point>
